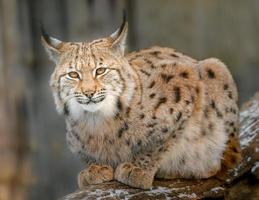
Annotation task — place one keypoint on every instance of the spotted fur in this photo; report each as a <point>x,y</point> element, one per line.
<point>153,112</point>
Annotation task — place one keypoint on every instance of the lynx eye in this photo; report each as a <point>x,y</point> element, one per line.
<point>73,75</point>
<point>100,71</point>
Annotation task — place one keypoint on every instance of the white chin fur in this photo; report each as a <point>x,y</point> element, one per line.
<point>107,107</point>
<point>92,107</point>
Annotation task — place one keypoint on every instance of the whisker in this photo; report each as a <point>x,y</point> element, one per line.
<point>67,98</point>
<point>101,93</point>
<point>101,96</point>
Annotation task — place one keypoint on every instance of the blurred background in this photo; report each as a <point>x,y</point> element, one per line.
<point>35,162</point>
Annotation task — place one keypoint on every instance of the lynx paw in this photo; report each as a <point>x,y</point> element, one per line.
<point>134,176</point>
<point>95,174</point>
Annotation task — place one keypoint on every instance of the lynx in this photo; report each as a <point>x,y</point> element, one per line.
<point>150,113</point>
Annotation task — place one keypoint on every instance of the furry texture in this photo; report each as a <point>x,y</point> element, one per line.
<point>155,112</point>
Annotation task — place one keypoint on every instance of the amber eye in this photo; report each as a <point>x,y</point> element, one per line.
<point>100,71</point>
<point>73,75</point>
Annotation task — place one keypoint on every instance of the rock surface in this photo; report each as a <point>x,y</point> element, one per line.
<point>242,183</point>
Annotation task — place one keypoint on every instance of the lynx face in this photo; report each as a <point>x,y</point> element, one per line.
<point>89,77</point>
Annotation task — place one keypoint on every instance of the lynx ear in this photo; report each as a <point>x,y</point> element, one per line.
<point>51,45</point>
<point>119,37</point>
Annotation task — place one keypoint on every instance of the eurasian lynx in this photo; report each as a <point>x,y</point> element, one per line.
<point>151,113</point>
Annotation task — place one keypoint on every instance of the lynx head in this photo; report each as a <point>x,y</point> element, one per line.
<point>94,77</point>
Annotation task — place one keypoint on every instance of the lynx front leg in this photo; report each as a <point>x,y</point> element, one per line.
<point>95,174</point>
<point>139,174</point>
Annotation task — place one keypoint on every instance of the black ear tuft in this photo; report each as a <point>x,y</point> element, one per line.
<point>124,15</point>
<point>123,22</point>
<point>44,34</point>
<point>119,36</point>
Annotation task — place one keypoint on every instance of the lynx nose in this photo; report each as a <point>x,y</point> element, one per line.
<point>89,94</point>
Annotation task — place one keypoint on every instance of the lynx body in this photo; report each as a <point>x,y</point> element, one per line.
<point>154,112</point>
